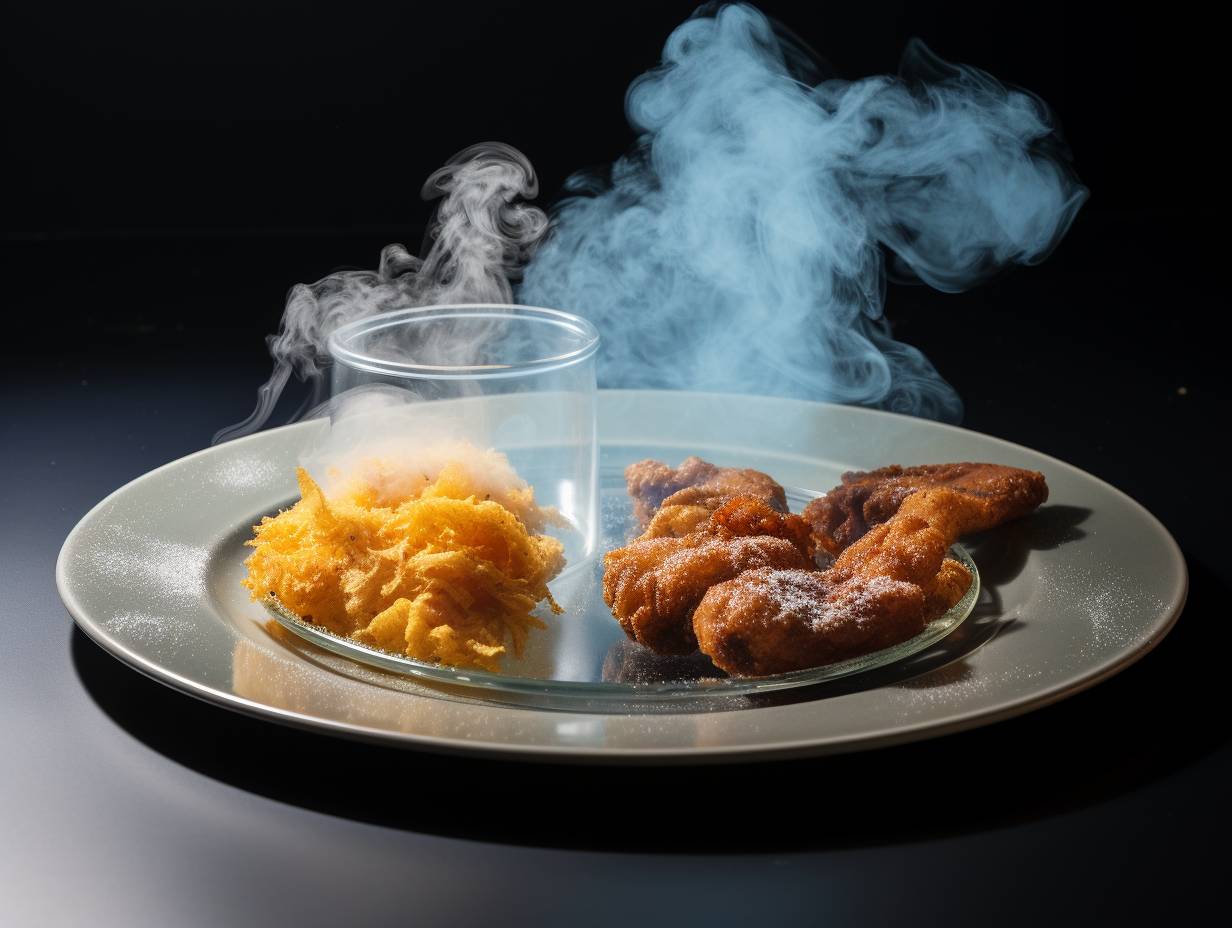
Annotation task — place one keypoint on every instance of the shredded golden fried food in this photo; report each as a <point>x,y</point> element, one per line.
<point>442,574</point>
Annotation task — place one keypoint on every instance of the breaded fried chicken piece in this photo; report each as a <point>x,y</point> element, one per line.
<point>678,521</point>
<point>882,589</point>
<point>698,484</point>
<point>866,499</point>
<point>944,591</point>
<point>771,621</point>
<point>654,584</point>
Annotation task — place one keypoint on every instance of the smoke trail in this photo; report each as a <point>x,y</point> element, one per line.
<point>481,237</point>
<point>739,247</point>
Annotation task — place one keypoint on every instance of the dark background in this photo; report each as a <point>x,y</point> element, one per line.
<point>171,171</point>
<point>285,120</point>
<point>175,171</point>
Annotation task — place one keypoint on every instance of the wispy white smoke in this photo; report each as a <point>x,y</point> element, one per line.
<point>481,237</point>
<point>741,246</point>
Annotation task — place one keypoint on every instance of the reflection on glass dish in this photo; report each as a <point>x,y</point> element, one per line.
<point>583,654</point>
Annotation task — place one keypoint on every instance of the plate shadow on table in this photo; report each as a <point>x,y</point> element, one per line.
<point>1117,737</point>
<point>1002,553</point>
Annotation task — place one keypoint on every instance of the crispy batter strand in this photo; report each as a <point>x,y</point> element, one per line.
<point>441,576</point>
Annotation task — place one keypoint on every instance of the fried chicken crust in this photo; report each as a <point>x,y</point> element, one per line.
<point>736,577</point>
<point>653,584</point>
<point>865,499</point>
<point>699,485</point>
<point>945,590</point>
<point>882,589</point>
<point>772,621</point>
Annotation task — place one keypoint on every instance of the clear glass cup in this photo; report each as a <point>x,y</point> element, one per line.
<point>517,379</point>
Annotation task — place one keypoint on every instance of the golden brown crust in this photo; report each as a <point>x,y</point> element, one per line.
<point>944,591</point>
<point>743,585</point>
<point>774,621</point>
<point>677,521</point>
<point>881,590</point>
<point>654,485</point>
<point>654,584</point>
<point>867,499</point>
<point>747,516</point>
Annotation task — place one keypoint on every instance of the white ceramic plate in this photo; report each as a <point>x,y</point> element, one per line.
<point>1070,596</point>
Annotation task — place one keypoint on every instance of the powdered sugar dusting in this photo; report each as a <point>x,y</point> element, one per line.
<point>618,524</point>
<point>816,598</point>
<point>149,629</point>
<point>1112,603</point>
<point>960,685</point>
<point>748,552</point>
<point>1116,614</point>
<point>1098,607</point>
<point>246,473</point>
<point>177,571</point>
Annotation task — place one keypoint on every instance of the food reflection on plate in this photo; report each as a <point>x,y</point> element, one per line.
<point>271,675</point>
<point>288,673</point>
<point>633,664</point>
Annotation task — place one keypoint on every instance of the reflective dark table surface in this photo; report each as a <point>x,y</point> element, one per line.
<point>125,803</point>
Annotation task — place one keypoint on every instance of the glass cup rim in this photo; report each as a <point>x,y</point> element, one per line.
<point>341,353</point>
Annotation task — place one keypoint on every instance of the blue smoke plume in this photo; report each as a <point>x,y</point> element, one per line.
<point>741,246</point>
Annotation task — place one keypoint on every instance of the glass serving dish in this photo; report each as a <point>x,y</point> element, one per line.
<point>516,379</point>
<point>583,654</point>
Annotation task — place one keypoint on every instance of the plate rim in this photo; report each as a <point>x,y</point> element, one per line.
<point>585,754</point>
